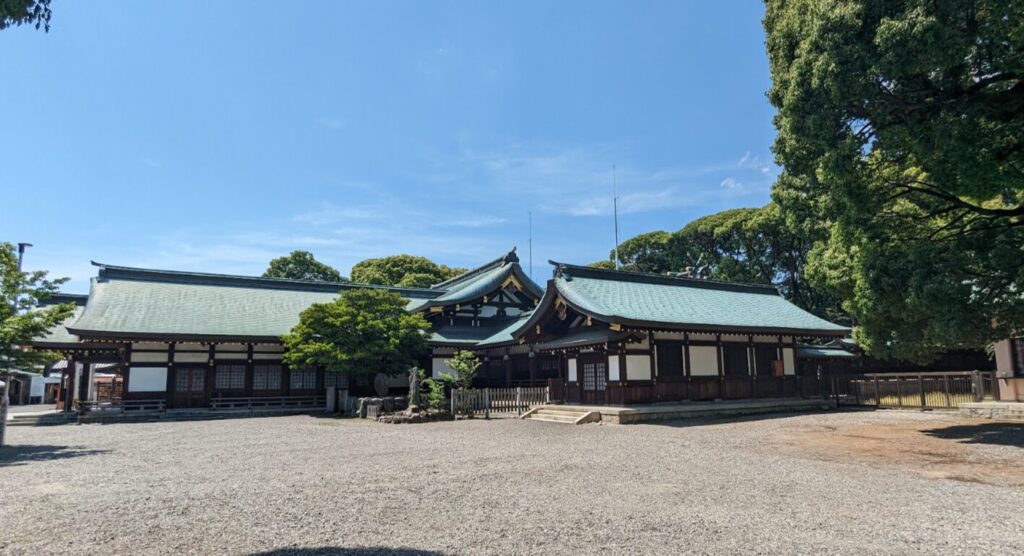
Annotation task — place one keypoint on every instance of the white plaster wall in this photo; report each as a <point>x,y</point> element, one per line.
<point>147,379</point>
<point>1004,358</point>
<point>138,357</point>
<point>703,361</point>
<point>440,368</point>
<point>572,370</point>
<point>638,367</point>
<point>191,357</point>
<point>788,361</point>
<point>227,348</point>
<point>613,367</point>
<point>266,356</point>
<point>149,345</point>
<point>668,336</point>
<point>703,337</point>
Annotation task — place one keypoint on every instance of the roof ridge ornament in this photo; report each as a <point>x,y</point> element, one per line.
<point>511,257</point>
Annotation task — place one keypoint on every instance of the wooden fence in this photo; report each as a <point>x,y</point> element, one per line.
<point>928,390</point>
<point>485,401</point>
<point>932,390</point>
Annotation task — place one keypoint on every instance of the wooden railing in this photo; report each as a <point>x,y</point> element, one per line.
<point>932,390</point>
<point>280,402</point>
<point>497,400</point>
<point>122,406</point>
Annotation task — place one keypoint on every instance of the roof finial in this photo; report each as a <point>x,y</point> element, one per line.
<point>511,257</point>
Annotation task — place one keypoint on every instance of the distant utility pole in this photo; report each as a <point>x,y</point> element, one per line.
<point>531,244</point>
<point>615,209</point>
<point>21,253</point>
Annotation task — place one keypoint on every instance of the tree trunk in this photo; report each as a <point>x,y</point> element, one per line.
<point>4,402</point>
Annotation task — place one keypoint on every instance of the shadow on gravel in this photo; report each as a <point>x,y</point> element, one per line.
<point>1000,434</point>
<point>338,550</point>
<point>701,421</point>
<point>22,454</point>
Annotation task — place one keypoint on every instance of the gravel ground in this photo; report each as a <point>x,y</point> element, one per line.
<point>312,485</point>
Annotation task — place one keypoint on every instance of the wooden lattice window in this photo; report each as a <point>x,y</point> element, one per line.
<point>336,380</point>
<point>302,379</point>
<point>230,377</point>
<point>266,377</point>
<point>594,377</point>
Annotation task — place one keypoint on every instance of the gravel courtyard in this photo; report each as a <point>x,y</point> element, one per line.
<point>877,482</point>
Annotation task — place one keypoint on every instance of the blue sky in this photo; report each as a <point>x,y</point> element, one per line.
<point>216,136</point>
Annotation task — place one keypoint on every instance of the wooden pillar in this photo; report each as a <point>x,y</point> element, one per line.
<point>533,368</point>
<point>508,369</point>
<point>171,376</point>
<point>83,383</point>
<point>249,370</point>
<point>69,394</point>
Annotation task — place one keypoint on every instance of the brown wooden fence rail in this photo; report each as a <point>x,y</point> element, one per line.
<point>932,390</point>
<point>485,401</point>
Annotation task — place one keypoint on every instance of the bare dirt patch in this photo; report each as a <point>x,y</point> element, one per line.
<point>946,447</point>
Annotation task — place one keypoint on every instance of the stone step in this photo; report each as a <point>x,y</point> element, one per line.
<point>554,417</point>
<point>560,411</point>
<point>561,420</point>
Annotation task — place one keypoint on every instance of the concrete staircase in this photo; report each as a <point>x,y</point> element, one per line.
<point>563,414</point>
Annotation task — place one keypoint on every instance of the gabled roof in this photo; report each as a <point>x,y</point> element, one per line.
<point>134,303</point>
<point>481,281</point>
<point>640,300</point>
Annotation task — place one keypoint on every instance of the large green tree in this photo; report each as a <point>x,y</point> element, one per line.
<point>364,331</point>
<point>25,12</point>
<point>901,131</point>
<point>644,253</point>
<point>402,270</point>
<point>301,265</point>
<point>22,320</point>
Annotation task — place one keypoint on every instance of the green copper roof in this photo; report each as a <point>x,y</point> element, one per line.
<point>637,299</point>
<point>141,303</point>
<point>59,334</point>
<point>584,337</point>
<point>503,334</point>
<point>481,281</point>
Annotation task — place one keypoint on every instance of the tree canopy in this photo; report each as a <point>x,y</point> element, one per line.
<point>364,331</point>
<point>901,131</point>
<point>756,245</point>
<point>25,12</point>
<point>402,270</point>
<point>300,265</point>
<point>22,320</point>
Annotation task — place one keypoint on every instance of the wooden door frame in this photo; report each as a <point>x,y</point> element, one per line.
<point>596,357</point>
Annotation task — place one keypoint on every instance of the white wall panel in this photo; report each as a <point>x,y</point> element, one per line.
<point>440,368</point>
<point>572,370</point>
<point>140,357</point>
<point>613,367</point>
<point>703,360</point>
<point>191,357</point>
<point>788,361</point>
<point>638,367</point>
<point>147,379</point>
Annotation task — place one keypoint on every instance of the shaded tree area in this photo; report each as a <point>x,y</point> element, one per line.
<point>901,131</point>
<point>14,13</point>
<point>301,265</point>
<point>754,245</point>
<point>364,331</point>
<point>402,270</point>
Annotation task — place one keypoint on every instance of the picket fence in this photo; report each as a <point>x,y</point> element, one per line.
<point>497,400</point>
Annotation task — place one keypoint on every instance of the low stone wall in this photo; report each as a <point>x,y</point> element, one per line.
<point>993,410</point>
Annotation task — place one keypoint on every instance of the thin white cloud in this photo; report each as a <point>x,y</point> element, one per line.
<point>333,124</point>
<point>731,184</point>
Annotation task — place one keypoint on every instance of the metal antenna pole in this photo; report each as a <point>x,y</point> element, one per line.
<point>531,243</point>
<point>615,208</point>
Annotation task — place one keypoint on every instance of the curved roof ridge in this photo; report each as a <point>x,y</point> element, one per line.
<point>569,270</point>
<point>509,257</point>
<point>115,272</point>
